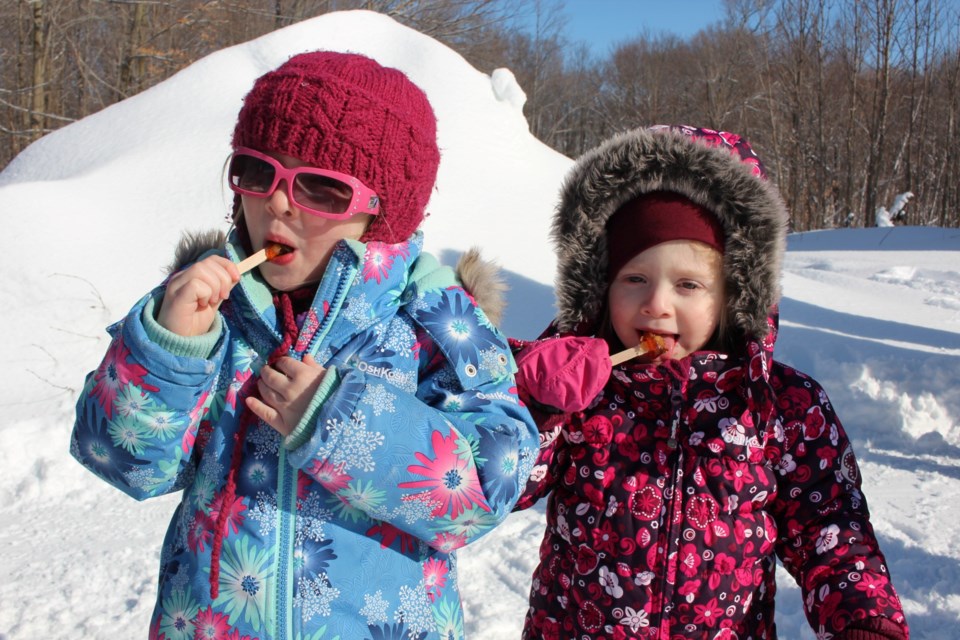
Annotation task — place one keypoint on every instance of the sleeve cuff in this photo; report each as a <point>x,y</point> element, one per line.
<point>201,346</point>
<point>305,428</point>
<point>873,629</point>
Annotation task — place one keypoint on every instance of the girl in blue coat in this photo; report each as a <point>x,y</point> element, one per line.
<point>339,419</point>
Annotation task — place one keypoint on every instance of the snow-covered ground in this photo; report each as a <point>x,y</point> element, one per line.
<point>91,213</point>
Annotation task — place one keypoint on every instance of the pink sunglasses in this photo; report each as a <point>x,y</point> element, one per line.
<point>328,194</point>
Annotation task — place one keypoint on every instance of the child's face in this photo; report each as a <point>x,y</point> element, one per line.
<point>310,238</point>
<point>674,289</point>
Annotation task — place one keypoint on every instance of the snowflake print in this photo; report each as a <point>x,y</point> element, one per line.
<point>413,511</point>
<point>415,609</point>
<point>374,608</point>
<point>314,515</point>
<point>495,361</point>
<point>381,400</point>
<point>211,467</point>
<point>315,596</point>
<point>398,337</point>
<point>451,478</point>
<point>265,441</point>
<point>358,311</point>
<point>264,512</point>
<point>142,477</point>
<point>354,444</point>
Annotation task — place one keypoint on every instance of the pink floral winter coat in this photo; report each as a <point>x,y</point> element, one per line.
<point>673,494</point>
<point>674,490</point>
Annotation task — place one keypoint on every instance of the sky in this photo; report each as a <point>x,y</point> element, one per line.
<point>602,24</point>
<point>91,214</point>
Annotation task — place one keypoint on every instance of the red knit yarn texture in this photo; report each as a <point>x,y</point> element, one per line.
<point>348,113</point>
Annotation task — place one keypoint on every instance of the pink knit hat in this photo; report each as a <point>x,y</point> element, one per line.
<point>347,113</point>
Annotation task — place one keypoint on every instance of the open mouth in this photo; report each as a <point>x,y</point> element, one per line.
<point>276,249</point>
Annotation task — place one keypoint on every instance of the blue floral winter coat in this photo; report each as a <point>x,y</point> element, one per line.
<point>414,446</point>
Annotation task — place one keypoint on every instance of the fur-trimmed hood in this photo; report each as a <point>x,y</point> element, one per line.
<point>714,169</point>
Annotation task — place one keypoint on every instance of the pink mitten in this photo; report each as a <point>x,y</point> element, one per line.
<point>564,372</point>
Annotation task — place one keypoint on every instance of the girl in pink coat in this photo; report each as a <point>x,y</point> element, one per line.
<point>677,478</point>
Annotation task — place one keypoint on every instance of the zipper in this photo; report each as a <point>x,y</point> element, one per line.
<point>671,541</point>
<point>336,303</point>
<point>287,485</point>
<point>286,528</point>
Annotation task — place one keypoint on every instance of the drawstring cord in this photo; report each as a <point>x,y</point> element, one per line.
<point>284,303</point>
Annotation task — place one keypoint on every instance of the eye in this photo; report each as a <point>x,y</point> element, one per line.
<point>324,193</point>
<point>689,285</point>
<point>253,174</point>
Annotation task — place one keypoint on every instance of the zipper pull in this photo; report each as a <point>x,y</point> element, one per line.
<point>676,404</point>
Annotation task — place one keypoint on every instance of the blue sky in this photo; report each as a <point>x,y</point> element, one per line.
<point>602,23</point>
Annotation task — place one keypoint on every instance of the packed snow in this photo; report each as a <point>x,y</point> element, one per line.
<point>91,214</point>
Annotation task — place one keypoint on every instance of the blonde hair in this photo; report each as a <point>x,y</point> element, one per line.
<point>726,337</point>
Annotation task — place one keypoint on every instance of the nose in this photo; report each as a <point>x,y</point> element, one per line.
<point>278,202</point>
<point>656,302</point>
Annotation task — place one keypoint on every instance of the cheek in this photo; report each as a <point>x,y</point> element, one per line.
<point>621,317</point>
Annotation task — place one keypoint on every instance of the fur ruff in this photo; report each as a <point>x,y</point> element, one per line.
<point>193,244</point>
<point>482,280</point>
<point>750,209</point>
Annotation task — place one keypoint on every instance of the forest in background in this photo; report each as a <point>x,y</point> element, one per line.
<point>850,103</point>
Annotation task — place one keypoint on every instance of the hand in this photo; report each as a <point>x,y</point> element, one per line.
<point>564,372</point>
<point>286,389</point>
<point>193,296</point>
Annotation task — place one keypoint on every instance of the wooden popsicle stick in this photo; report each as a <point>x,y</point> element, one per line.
<point>627,354</point>
<point>252,262</point>
<point>269,252</point>
<point>649,344</point>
